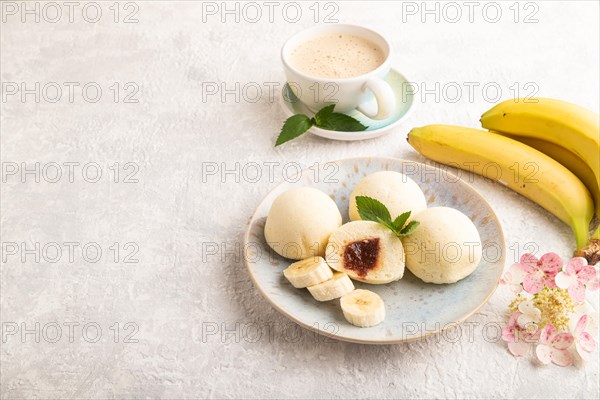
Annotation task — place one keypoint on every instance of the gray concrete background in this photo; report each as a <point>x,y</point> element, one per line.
<point>182,321</point>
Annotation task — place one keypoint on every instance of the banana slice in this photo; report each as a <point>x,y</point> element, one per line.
<point>363,308</point>
<point>339,285</point>
<point>308,272</point>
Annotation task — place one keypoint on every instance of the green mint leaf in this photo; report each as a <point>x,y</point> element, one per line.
<point>390,226</point>
<point>323,113</point>
<point>293,127</point>
<point>298,124</point>
<point>412,225</point>
<point>327,119</point>
<point>370,209</point>
<point>401,220</point>
<point>340,122</point>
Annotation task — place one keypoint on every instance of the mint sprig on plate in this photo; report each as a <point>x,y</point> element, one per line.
<point>371,209</point>
<point>298,124</point>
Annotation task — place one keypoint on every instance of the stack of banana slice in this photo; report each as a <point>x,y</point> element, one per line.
<point>362,308</point>
<point>544,149</point>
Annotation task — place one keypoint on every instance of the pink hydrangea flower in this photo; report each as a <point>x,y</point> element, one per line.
<point>554,347</point>
<point>514,278</point>
<point>584,342</point>
<point>537,273</point>
<point>576,276</point>
<point>518,338</point>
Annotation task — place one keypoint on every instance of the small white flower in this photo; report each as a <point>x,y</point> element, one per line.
<point>529,314</point>
<point>514,278</point>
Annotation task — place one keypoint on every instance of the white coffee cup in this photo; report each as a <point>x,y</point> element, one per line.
<point>346,93</point>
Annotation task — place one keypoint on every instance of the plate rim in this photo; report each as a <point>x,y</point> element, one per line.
<point>343,338</point>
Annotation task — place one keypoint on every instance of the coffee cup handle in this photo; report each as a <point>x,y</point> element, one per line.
<point>384,95</point>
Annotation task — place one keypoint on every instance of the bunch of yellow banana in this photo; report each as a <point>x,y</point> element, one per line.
<point>566,132</point>
<point>547,150</point>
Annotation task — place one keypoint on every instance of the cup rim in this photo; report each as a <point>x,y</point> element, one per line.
<point>385,65</point>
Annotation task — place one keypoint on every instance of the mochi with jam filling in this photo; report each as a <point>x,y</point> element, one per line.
<point>367,252</point>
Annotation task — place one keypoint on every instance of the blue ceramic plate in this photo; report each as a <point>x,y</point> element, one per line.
<point>414,309</point>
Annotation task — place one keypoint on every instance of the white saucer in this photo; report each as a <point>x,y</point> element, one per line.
<point>291,105</point>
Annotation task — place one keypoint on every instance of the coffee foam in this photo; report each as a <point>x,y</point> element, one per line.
<point>337,56</point>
